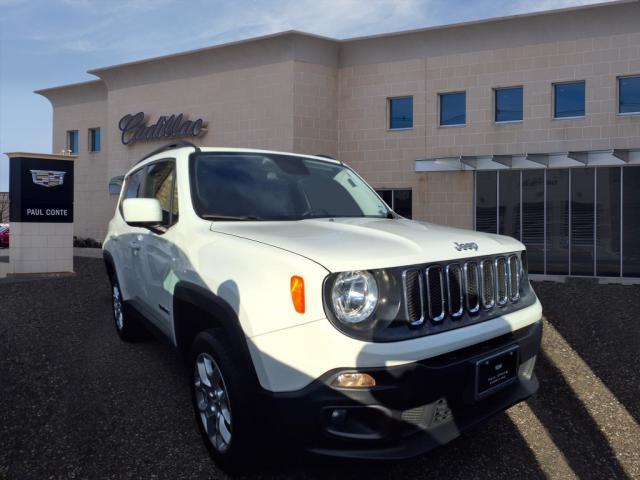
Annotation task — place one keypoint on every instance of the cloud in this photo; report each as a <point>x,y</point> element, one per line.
<point>139,28</point>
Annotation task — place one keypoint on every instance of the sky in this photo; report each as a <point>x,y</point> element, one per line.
<point>45,43</point>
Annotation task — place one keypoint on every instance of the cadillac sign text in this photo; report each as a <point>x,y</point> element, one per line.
<point>135,128</point>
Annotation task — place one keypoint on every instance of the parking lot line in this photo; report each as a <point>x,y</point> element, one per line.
<point>552,461</point>
<point>612,418</point>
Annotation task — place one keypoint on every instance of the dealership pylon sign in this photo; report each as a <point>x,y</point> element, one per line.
<point>40,214</point>
<point>41,188</point>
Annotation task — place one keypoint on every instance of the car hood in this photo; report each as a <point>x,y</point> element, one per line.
<point>342,244</point>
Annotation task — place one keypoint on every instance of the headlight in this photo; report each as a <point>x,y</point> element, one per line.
<point>354,296</point>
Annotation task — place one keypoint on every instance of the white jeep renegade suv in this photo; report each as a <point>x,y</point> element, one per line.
<point>307,309</point>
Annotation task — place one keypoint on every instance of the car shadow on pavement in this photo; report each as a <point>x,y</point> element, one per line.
<point>495,449</point>
<point>571,427</point>
<point>600,323</point>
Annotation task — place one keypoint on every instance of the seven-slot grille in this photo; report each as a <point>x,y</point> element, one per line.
<point>460,287</point>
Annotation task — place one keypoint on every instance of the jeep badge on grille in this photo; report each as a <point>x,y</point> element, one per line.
<point>465,246</point>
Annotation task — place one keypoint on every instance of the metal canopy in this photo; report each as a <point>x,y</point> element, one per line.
<point>591,158</point>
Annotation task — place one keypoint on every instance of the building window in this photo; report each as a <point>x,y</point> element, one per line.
<point>400,113</point>
<point>508,106</point>
<point>94,139</point>
<point>453,109</point>
<point>399,201</point>
<point>72,141</point>
<point>568,100</point>
<point>629,94</point>
<point>577,221</point>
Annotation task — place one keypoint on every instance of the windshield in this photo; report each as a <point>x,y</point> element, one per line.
<point>257,186</point>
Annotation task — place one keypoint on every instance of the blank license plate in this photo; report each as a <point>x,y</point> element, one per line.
<point>496,372</point>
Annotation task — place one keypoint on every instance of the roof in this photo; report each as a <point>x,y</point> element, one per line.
<point>44,91</point>
<point>45,156</point>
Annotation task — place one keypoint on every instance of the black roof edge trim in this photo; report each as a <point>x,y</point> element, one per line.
<point>169,146</point>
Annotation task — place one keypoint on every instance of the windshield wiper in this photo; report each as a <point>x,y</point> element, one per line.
<point>214,216</point>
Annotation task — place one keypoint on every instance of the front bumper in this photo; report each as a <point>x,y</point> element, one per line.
<point>414,407</point>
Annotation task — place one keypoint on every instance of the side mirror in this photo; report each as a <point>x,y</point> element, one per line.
<point>142,212</point>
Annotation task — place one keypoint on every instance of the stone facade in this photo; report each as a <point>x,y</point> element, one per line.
<point>303,93</point>
<point>41,248</point>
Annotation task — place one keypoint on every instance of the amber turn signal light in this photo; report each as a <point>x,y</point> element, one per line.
<point>297,293</point>
<point>354,380</point>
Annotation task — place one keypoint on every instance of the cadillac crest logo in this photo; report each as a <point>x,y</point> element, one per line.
<point>47,178</point>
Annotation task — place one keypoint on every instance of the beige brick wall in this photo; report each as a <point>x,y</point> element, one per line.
<point>385,158</point>
<point>249,107</point>
<point>81,108</point>
<point>445,198</point>
<point>315,109</point>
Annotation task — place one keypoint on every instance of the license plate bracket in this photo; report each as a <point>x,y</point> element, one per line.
<point>496,371</point>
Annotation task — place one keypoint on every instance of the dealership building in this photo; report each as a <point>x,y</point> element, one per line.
<point>527,126</point>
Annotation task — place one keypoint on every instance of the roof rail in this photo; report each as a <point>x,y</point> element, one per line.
<point>324,156</point>
<point>169,146</point>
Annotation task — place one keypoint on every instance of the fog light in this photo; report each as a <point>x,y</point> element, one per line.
<point>338,416</point>
<point>354,380</point>
<point>526,368</point>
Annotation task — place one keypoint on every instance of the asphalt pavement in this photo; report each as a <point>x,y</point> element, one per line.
<point>76,402</point>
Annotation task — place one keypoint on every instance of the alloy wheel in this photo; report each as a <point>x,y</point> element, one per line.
<point>118,315</point>
<point>212,401</point>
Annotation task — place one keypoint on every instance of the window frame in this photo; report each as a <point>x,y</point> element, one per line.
<point>161,229</point>
<point>125,185</point>
<point>553,100</point>
<point>91,142</point>
<point>399,97</point>
<point>618,112</point>
<point>495,104</point>
<point>174,185</point>
<point>69,143</point>
<point>454,125</point>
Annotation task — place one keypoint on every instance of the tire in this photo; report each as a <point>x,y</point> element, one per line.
<point>223,407</point>
<point>128,328</point>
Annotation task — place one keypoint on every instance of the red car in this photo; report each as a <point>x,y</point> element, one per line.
<point>4,236</point>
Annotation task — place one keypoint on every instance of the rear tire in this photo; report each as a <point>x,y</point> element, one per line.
<point>128,328</point>
<point>222,396</point>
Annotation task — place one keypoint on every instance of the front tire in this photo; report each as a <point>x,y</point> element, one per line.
<point>221,396</point>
